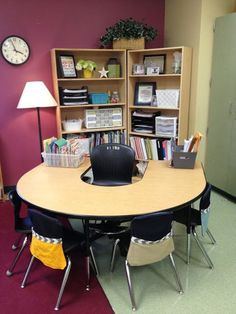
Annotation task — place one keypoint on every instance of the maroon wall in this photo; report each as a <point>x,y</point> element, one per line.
<point>50,24</point>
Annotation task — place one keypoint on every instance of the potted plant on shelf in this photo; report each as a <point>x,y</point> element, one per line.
<point>87,66</point>
<point>129,34</point>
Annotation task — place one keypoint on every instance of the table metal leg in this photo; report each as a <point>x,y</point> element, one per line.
<point>87,251</point>
<point>189,231</point>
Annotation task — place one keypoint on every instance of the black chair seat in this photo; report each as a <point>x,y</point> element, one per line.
<point>182,217</point>
<point>108,227</point>
<point>23,225</point>
<point>72,239</point>
<point>110,183</point>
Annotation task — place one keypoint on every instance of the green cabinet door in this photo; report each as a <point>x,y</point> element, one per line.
<point>221,139</point>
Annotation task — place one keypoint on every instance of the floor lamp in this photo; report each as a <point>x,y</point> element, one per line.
<point>36,95</point>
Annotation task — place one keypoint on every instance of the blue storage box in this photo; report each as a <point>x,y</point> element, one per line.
<point>98,98</point>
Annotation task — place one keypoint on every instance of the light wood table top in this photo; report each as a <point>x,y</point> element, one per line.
<point>61,190</point>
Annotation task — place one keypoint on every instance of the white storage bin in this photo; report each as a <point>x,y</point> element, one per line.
<point>72,125</point>
<point>166,126</point>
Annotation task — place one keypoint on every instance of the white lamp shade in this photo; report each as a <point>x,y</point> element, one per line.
<point>35,95</point>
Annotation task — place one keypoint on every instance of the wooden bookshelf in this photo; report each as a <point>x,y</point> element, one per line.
<point>164,81</point>
<point>95,84</point>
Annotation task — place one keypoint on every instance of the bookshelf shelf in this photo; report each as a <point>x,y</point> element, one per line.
<point>155,76</point>
<point>83,130</point>
<point>152,108</point>
<point>92,106</point>
<point>97,79</point>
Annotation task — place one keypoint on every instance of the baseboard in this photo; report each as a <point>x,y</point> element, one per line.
<point>225,194</point>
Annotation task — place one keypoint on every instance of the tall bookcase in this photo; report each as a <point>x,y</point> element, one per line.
<point>95,84</point>
<point>168,79</point>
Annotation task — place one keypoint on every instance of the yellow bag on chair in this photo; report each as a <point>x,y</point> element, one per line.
<point>48,250</point>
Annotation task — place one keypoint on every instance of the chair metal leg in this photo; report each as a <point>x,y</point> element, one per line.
<point>131,293</point>
<point>113,255</point>
<point>188,247</point>
<point>88,272</point>
<point>213,241</point>
<point>10,270</point>
<point>202,249</point>
<point>94,261</point>
<point>27,272</point>
<point>176,273</point>
<point>16,244</point>
<point>64,281</point>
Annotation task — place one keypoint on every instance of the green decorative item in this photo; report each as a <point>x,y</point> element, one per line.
<point>128,29</point>
<point>113,67</point>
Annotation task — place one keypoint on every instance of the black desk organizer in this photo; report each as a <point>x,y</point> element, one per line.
<point>184,160</point>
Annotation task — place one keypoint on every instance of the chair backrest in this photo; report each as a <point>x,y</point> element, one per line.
<point>46,244</point>
<point>45,225</point>
<point>112,164</point>
<point>204,207</point>
<point>206,198</point>
<point>16,203</point>
<point>22,224</point>
<point>151,239</point>
<point>152,227</point>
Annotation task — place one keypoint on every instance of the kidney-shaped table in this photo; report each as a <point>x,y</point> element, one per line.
<point>62,191</point>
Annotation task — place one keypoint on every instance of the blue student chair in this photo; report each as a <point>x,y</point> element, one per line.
<point>112,165</point>
<point>151,241</point>
<point>191,218</point>
<point>52,244</point>
<point>22,226</point>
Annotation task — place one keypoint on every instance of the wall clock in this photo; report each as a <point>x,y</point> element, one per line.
<point>15,50</point>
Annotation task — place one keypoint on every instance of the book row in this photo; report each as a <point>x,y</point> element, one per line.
<point>88,141</point>
<point>151,149</point>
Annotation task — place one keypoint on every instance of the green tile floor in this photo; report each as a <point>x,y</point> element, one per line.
<point>205,290</point>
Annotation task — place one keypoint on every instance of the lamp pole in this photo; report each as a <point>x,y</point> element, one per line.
<point>40,134</point>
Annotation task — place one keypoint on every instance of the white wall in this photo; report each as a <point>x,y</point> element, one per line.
<point>190,23</point>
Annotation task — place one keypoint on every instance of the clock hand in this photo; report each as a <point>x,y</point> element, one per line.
<point>13,46</point>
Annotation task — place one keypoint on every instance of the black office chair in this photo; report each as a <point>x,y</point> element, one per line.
<point>22,225</point>
<point>151,241</point>
<point>51,244</point>
<point>192,218</point>
<point>112,165</point>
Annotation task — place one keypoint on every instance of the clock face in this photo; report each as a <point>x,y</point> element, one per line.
<point>15,50</point>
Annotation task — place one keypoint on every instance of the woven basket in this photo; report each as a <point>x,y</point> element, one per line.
<point>129,43</point>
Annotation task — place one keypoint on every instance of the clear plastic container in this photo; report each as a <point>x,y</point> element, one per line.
<point>63,160</point>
